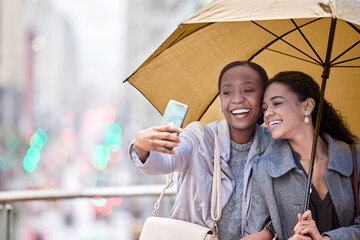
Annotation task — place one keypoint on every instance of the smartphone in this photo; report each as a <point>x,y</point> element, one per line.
<point>175,114</point>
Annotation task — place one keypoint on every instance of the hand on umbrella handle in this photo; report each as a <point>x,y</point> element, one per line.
<point>307,227</point>
<point>156,139</point>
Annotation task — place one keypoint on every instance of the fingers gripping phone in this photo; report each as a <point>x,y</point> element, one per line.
<point>175,114</point>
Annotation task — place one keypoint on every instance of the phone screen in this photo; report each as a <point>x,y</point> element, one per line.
<point>175,114</point>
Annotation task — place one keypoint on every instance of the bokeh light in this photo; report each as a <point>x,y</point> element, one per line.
<point>113,142</point>
<point>104,206</point>
<point>100,157</point>
<point>98,201</point>
<point>30,234</point>
<point>112,137</point>
<point>116,156</point>
<point>37,141</point>
<point>28,135</point>
<point>68,137</point>
<point>91,123</point>
<point>115,201</point>
<point>108,115</point>
<point>103,153</point>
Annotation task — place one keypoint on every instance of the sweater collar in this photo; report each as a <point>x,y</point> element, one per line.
<point>261,139</point>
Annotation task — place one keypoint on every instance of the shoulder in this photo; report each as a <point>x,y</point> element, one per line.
<point>196,129</point>
<point>200,132</point>
<point>263,138</point>
<point>277,160</point>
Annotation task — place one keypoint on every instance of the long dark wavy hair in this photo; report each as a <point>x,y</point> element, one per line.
<point>305,87</point>
<point>260,70</point>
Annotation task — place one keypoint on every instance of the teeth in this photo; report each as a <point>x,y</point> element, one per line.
<point>237,111</point>
<point>274,123</point>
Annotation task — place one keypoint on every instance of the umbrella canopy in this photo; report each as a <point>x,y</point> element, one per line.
<point>279,35</point>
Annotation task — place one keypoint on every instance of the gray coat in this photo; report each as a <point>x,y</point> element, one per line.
<point>194,163</point>
<point>279,188</point>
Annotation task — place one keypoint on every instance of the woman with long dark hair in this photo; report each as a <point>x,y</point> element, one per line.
<point>290,108</point>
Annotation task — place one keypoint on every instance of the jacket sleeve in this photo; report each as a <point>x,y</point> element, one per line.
<point>259,215</point>
<point>160,163</point>
<point>351,232</point>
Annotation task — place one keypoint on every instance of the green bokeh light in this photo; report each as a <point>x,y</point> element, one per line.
<point>42,134</point>
<point>33,154</point>
<point>113,142</point>
<point>36,141</point>
<point>32,158</point>
<point>101,157</point>
<point>29,164</point>
<point>113,128</point>
<point>99,202</point>
<point>12,142</point>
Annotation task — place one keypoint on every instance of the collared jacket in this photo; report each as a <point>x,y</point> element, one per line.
<point>194,163</point>
<point>279,188</point>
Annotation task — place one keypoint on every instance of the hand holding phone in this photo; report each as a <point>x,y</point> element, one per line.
<point>175,114</point>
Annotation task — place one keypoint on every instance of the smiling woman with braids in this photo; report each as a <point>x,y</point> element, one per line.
<point>290,107</point>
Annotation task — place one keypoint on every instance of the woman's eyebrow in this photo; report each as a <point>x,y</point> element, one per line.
<point>277,97</point>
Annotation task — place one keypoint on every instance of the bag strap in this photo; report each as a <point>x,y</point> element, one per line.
<point>216,185</point>
<point>354,180</point>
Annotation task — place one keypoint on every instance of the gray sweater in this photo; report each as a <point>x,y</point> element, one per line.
<point>230,222</point>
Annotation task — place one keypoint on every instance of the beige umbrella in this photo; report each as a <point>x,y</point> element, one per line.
<point>279,35</point>
<point>313,36</point>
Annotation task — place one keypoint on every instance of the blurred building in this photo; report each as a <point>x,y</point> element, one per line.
<point>62,64</point>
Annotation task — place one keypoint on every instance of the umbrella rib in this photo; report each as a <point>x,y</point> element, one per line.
<point>348,60</point>
<point>281,38</point>
<point>316,63</point>
<point>208,106</point>
<point>345,52</point>
<point>353,26</point>
<point>179,38</point>
<point>307,41</point>
<point>273,41</point>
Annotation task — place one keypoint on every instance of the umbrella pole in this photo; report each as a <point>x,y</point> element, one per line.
<point>325,76</point>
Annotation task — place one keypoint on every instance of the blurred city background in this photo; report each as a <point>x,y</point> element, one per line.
<point>63,104</point>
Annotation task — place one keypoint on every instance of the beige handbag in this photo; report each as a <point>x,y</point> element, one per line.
<point>158,228</point>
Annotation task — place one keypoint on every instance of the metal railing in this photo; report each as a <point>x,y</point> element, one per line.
<point>7,197</point>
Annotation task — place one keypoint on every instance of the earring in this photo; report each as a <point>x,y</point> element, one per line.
<point>306,120</point>
<point>221,110</point>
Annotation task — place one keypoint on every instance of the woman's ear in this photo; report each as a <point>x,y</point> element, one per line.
<point>309,105</point>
